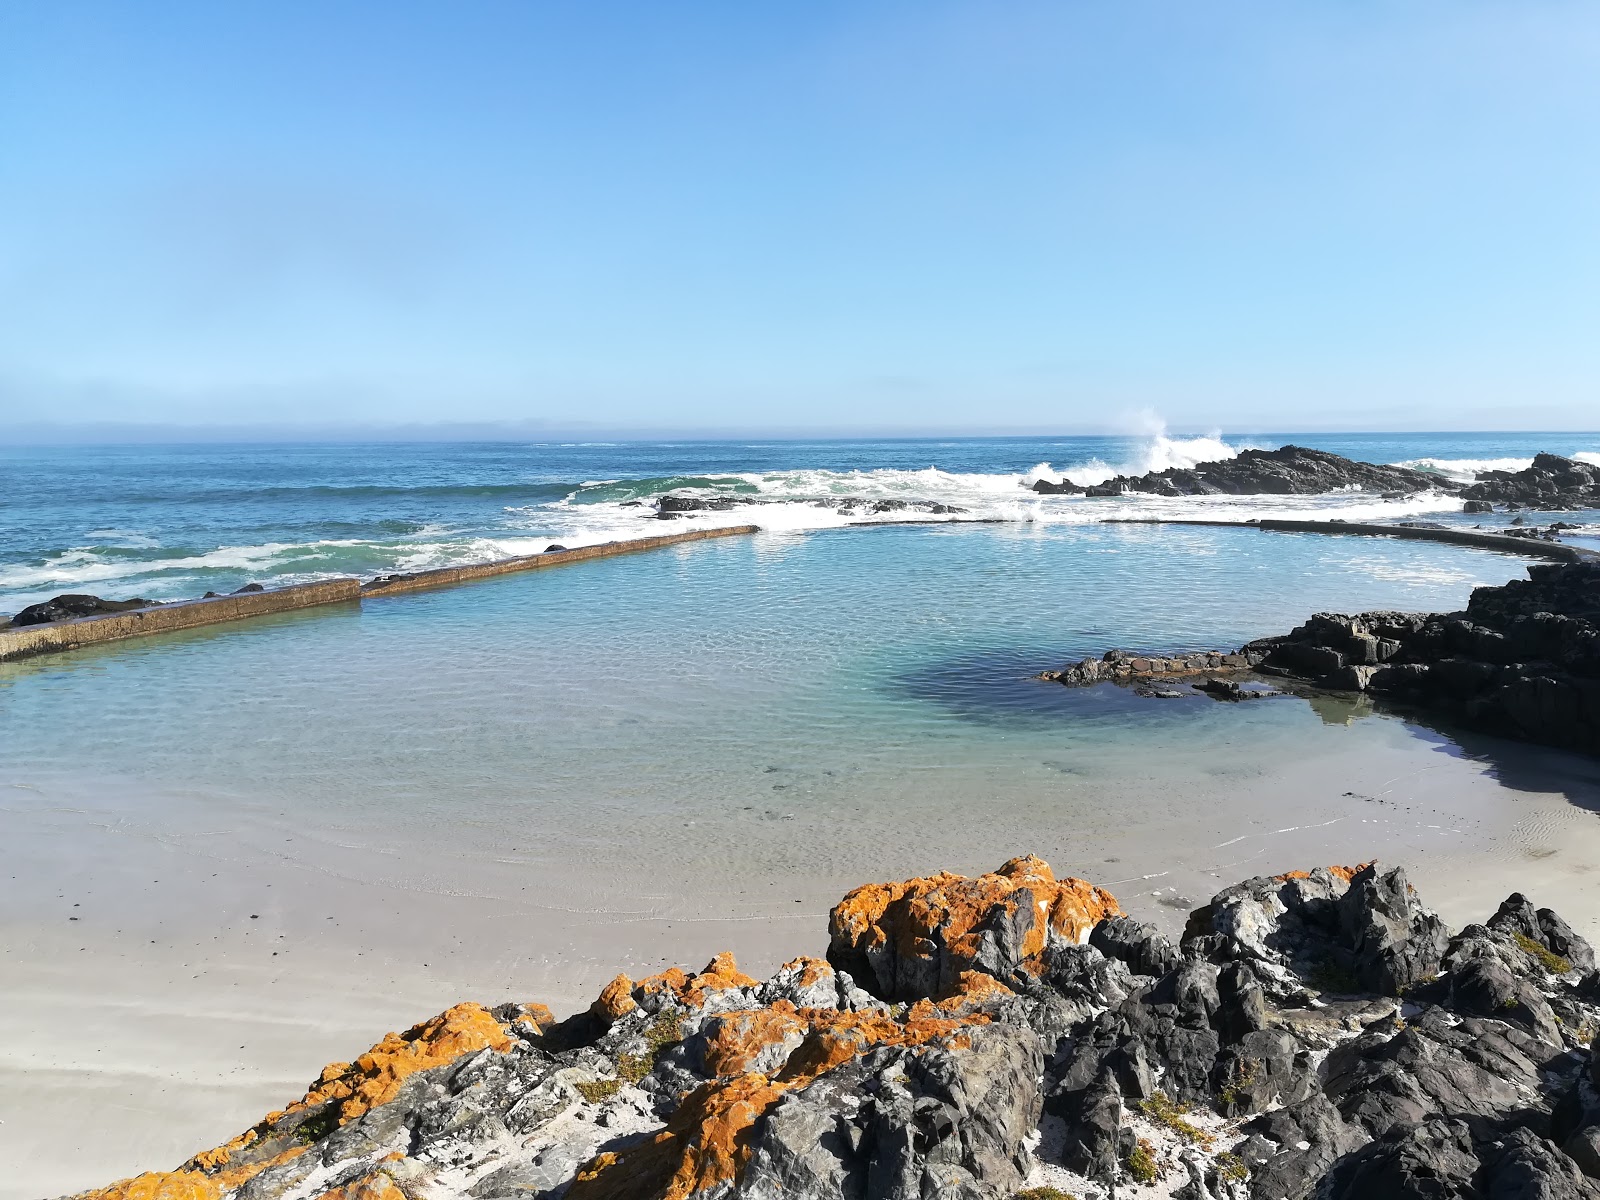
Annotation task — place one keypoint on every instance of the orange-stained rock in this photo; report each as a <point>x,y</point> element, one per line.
<point>233,1175</point>
<point>706,1143</point>
<point>790,1044</point>
<point>375,1185</point>
<point>165,1185</point>
<point>812,971</point>
<point>837,1037</point>
<point>376,1076</point>
<point>720,974</point>
<point>971,992</point>
<point>535,1019</point>
<point>912,940</point>
<point>1344,873</point>
<point>761,1039</point>
<point>615,1000</point>
<point>369,1081</point>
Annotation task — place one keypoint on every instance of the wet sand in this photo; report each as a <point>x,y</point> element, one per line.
<point>170,976</point>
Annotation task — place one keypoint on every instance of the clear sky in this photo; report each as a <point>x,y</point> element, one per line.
<point>832,216</point>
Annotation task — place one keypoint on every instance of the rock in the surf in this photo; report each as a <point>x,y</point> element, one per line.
<point>1289,470</point>
<point>1550,483</point>
<point>68,607</point>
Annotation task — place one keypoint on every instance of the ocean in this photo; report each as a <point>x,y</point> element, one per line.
<point>164,522</point>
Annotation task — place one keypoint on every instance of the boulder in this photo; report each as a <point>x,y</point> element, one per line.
<point>68,607</point>
<point>1550,483</point>
<point>911,940</point>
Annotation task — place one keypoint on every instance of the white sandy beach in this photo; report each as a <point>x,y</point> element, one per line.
<point>169,979</point>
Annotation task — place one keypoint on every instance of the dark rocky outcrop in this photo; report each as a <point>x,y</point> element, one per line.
<point>67,607</point>
<point>1313,1034</point>
<point>1551,483</point>
<point>1521,661</point>
<point>1288,471</point>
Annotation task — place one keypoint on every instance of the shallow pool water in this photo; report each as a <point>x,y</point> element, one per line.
<point>697,699</point>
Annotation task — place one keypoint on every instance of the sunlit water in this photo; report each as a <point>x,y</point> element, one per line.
<point>165,522</point>
<point>858,684</point>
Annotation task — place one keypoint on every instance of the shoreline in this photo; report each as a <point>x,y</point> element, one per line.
<point>229,973</point>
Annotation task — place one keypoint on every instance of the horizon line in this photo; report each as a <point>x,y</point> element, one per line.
<point>110,433</point>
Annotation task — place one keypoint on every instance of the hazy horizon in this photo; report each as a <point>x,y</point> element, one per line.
<point>943,216</point>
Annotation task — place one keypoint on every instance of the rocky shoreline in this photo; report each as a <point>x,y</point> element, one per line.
<point>1521,661</point>
<point>1006,1037</point>
<point>1550,483</point>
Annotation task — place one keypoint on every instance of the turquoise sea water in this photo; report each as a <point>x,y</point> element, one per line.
<point>688,699</point>
<point>171,521</point>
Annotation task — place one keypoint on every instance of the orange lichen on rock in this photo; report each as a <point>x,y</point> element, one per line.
<point>948,917</point>
<point>162,1185</point>
<point>371,1080</point>
<point>705,1144</point>
<point>812,970</point>
<point>971,992</point>
<point>836,1037</point>
<point>1338,872</point>
<point>534,1020</point>
<point>376,1076</point>
<point>735,1041</point>
<point>232,1176</point>
<point>810,1041</point>
<point>615,1000</point>
<point>720,974</point>
<point>375,1185</point>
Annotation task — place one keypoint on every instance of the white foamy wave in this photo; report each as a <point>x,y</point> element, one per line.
<point>74,567</point>
<point>1160,453</point>
<point>1465,470</point>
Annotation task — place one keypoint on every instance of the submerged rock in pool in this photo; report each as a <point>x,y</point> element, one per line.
<point>1318,1033</point>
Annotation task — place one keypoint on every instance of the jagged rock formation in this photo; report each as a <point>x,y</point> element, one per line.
<point>1288,471</point>
<point>1551,483</point>
<point>1522,661</point>
<point>1313,1034</point>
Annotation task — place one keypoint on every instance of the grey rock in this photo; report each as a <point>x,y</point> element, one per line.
<point>906,1124</point>
<point>1142,947</point>
<point>1392,1077</point>
<point>1289,1150</point>
<point>1435,1158</point>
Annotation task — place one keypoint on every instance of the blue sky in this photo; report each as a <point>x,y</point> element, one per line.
<point>825,216</point>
